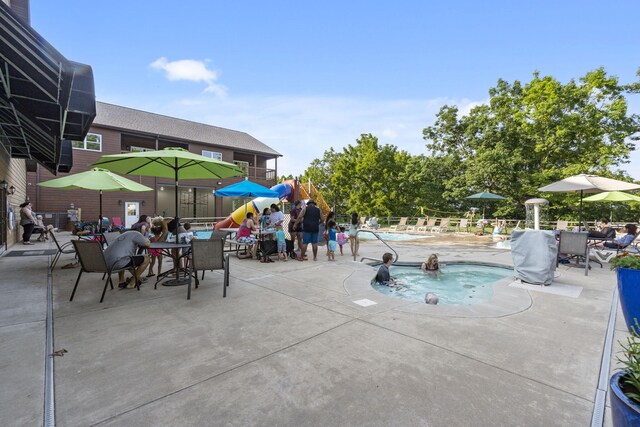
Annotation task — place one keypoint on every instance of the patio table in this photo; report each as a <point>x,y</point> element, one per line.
<point>172,250</point>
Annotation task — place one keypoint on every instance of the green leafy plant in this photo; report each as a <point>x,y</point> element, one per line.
<point>626,260</point>
<point>630,361</point>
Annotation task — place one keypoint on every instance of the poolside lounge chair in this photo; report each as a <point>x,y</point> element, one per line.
<point>571,243</point>
<point>464,223</point>
<point>401,225</point>
<point>419,223</point>
<point>442,227</point>
<point>431,222</point>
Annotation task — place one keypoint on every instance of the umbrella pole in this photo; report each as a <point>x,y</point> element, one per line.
<point>580,213</point>
<point>100,215</point>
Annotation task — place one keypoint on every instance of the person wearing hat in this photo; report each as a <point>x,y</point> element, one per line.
<point>310,217</point>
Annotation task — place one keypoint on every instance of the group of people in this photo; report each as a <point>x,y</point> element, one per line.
<point>304,230</point>
<point>32,223</point>
<point>430,266</point>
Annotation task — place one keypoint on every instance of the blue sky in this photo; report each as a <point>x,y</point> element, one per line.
<point>304,77</point>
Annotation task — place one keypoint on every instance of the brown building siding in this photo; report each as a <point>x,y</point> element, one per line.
<point>115,141</point>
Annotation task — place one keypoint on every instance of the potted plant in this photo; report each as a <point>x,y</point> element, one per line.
<point>628,271</point>
<point>625,385</point>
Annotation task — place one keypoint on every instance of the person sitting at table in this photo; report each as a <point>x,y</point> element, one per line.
<point>604,231</point>
<point>121,253</point>
<point>39,227</point>
<point>244,234</point>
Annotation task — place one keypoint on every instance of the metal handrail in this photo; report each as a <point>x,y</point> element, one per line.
<point>379,238</point>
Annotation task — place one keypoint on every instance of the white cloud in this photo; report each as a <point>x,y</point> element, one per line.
<point>191,70</point>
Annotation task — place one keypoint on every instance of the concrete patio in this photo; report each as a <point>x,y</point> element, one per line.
<point>288,346</point>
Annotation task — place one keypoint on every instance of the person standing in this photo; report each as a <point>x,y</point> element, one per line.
<point>310,217</point>
<point>27,222</point>
<point>275,217</point>
<point>295,231</point>
<point>354,242</point>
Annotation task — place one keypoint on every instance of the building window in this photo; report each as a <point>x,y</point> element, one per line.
<point>212,154</point>
<point>93,142</point>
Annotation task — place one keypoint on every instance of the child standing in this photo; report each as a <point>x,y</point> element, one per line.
<point>159,230</point>
<point>332,243</point>
<point>282,244</point>
<point>342,239</point>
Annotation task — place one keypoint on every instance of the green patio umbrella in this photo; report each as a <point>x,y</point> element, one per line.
<point>172,162</point>
<point>612,196</point>
<point>485,195</point>
<point>97,179</point>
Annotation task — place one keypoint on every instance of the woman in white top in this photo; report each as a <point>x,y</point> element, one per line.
<point>276,217</point>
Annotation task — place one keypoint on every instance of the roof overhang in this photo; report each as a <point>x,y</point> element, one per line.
<point>44,98</point>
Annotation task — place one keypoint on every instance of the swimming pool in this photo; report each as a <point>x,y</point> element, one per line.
<point>202,234</point>
<point>456,284</point>
<point>393,237</point>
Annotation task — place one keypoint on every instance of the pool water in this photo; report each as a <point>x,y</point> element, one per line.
<point>202,234</point>
<point>392,237</point>
<point>456,284</point>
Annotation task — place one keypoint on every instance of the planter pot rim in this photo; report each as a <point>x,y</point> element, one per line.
<point>615,388</point>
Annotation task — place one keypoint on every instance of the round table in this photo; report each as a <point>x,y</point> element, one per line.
<point>166,248</point>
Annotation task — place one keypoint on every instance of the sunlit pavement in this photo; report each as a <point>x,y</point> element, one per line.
<point>289,346</point>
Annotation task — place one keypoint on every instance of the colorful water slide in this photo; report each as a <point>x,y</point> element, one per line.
<point>286,191</point>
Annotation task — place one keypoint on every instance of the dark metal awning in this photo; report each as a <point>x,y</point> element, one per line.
<point>44,98</point>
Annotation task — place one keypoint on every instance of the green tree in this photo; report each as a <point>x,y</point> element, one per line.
<point>530,135</point>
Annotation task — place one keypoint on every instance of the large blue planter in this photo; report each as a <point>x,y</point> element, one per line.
<point>624,412</point>
<point>629,290</point>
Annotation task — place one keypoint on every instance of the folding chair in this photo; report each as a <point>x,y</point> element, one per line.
<point>92,260</point>
<point>67,248</point>
<point>574,244</point>
<point>208,255</point>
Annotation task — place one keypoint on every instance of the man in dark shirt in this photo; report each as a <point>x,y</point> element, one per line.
<point>604,231</point>
<point>310,217</point>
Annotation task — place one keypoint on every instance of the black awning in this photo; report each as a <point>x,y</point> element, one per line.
<point>44,98</point>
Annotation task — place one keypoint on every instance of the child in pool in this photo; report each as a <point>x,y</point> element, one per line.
<point>431,264</point>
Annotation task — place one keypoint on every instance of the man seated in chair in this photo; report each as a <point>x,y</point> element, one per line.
<point>603,231</point>
<point>122,253</point>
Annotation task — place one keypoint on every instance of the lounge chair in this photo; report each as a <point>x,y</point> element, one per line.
<point>431,222</point>
<point>419,223</point>
<point>401,225</point>
<point>464,223</point>
<point>117,223</point>
<point>442,227</point>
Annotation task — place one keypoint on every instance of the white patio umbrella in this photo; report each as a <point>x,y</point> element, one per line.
<point>585,183</point>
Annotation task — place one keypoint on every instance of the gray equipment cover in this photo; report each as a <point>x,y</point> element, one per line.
<point>534,255</point>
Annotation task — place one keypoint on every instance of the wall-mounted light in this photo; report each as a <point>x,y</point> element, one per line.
<point>12,190</point>
<point>4,185</point>
<point>120,202</point>
<point>189,190</point>
<point>161,188</point>
<point>219,182</point>
<point>143,203</point>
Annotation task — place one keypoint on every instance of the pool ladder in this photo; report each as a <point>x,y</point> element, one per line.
<point>382,240</point>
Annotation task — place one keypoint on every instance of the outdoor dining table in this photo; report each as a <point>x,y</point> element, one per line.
<point>174,273</point>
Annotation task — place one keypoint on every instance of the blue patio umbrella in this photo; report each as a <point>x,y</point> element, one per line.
<point>246,188</point>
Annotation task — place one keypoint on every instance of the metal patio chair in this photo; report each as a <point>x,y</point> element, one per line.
<point>66,248</point>
<point>571,243</point>
<point>91,256</point>
<point>208,255</point>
